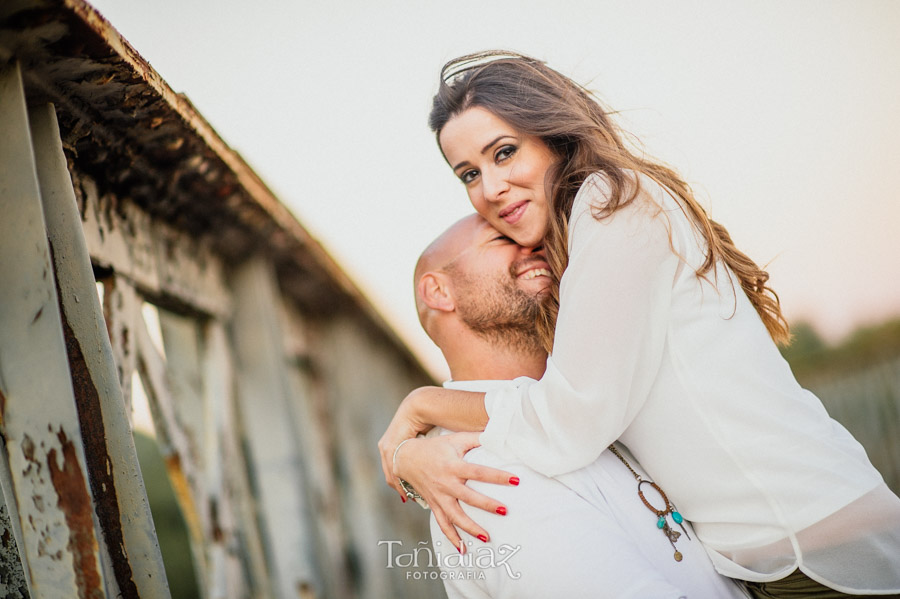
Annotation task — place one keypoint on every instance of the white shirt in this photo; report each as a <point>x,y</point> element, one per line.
<point>682,371</point>
<point>585,535</point>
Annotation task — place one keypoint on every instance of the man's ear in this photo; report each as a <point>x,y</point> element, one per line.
<point>436,291</point>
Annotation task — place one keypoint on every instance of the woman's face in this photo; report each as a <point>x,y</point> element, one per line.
<point>503,171</point>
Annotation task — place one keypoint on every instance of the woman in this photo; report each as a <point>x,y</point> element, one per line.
<point>664,339</point>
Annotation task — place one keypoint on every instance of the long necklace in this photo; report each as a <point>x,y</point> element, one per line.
<point>661,522</point>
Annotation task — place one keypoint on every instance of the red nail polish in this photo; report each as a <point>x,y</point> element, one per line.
<point>514,480</point>
<point>482,538</point>
<point>501,510</point>
<point>403,498</point>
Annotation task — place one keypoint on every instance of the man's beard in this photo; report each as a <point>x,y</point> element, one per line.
<point>496,309</point>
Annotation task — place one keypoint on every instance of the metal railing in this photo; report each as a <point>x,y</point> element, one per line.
<point>268,387</point>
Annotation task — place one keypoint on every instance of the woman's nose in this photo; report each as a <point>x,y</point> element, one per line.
<point>494,185</point>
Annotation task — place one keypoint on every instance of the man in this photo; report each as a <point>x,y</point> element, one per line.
<point>583,534</point>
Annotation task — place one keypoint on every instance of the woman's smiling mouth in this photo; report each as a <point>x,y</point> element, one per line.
<point>514,212</point>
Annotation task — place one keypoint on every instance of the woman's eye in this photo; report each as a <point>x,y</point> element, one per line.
<point>504,152</point>
<point>468,176</point>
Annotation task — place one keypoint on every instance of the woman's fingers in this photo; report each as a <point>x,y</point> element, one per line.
<point>487,474</point>
<point>464,442</point>
<point>447,527</point>
<point>462,521</point>
<point>451,517</point>
<point>471,497</point>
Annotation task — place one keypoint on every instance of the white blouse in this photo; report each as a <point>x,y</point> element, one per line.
<point>681,370</point>
<point>585,534</point>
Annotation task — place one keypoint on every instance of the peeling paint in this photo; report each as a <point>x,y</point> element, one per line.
<point>93,434</point>
<point>75,503</point>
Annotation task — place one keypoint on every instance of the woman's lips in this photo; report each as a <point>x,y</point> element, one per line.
<point>514,212</point>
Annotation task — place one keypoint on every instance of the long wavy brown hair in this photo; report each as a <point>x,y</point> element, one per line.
<point>537,100</point>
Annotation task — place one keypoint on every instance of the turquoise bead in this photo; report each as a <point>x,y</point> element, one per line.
<point>677,518</point>
<point>661,523</point>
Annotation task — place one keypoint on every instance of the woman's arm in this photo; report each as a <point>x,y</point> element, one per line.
<point>423,409</point>
<point>434,467</point>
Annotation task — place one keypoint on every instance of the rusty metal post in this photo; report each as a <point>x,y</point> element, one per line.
<point>37,404</point>
<point>120,499</point>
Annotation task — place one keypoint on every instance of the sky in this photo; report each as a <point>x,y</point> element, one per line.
<point>783,116</point>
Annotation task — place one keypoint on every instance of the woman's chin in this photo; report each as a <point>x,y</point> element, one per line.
<point>528,239</point>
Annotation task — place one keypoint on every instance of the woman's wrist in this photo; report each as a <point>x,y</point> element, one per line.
<point>422,406</point>
<point>416,408</point>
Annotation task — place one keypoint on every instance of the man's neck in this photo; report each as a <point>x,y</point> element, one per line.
<point>496,363</point>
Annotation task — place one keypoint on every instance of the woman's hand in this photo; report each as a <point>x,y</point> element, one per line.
<point>406,424</point>
<point>422,409</point>
<point>435,469</point>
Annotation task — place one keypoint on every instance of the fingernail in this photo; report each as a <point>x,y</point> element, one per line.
<point>514,480</point>
<point>403,498</point>
<point>501,510</point>
<point>482,538</point>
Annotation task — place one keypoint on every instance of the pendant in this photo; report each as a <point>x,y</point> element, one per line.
<point>661,522</point>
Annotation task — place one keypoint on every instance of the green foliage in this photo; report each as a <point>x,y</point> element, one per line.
<point>812,360</point>
<point>858,384</point>
<point>171,529</point>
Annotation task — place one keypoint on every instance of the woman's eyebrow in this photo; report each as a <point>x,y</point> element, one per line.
<point>487,147</point>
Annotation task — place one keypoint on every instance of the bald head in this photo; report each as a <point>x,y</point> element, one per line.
<point>449,245</point>
<point>441,254</point>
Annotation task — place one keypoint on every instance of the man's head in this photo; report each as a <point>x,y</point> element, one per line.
<point>473,279</point>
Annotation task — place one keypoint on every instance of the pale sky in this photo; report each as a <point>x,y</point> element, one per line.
<point>784,116</point>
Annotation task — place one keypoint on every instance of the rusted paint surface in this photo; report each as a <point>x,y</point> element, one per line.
<point>36,384</point>
<point>185,496</point>
<point>75,502</point>
<point>99,463</point>
<point>107,443</point>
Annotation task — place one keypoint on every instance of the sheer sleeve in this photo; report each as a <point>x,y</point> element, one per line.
<point>615,299</point>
